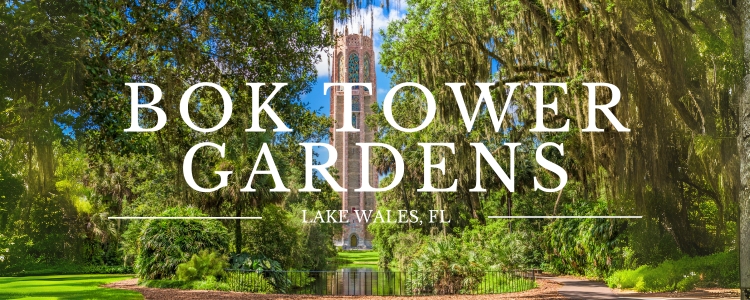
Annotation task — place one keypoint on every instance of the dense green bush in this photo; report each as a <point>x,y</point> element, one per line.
<point>164,244</point>
<point>444,267</point>
<point>590,247</point>
<point>383,240</point>
<point>495,247</point>
<point>277,237</point>
<point>721,269</point>
<point>285,238</point>
<point>202,266</point>
<point>317,247</point>
<point>406,246</point>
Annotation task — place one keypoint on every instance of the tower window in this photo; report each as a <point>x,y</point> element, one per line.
<point>353,68</point>
<point>354,121</point>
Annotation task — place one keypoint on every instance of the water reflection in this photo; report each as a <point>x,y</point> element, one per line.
<point>358,281</point>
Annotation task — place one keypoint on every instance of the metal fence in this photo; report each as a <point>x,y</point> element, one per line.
<point>380,283</point>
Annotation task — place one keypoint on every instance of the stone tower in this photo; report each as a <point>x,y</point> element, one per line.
<point>354,61</point>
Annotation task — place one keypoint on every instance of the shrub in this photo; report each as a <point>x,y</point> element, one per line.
<point>267,267</point>
<point>590,247</point>
<point>317,248</point>
<point>406,247</point>
<point>720,269</point>
<point>210,283</point>
<point>495,247</point>
<point>444,268</point>
<point>202,265</point>
<point>383,238</point>
<point>164,244</point>
<point>278,237</point>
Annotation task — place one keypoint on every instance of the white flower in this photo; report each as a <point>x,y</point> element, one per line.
<point>2,258</point>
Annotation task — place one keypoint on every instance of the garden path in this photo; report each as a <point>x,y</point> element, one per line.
<point>578,288</point>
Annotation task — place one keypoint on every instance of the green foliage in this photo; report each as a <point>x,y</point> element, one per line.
<point>381,241</point>
<point>202,265</point>
<point>45,242</point>
<point>315,238</point>
<point>591,247</point>
<point>449,265</point>
<point>66,162</point>
<point>720,269</point>
<point>283,237</point>
<point>495,247</point>
<point>276,237</point>
<point>444,267</point>
<point>300,278</point>
<point>209,283</point>
<point>250,282</point>
<point>164,244</point>
<point>406,246</point>
<point>11,189</point>
<point>248,262</point>
<point>679,172</point>
<point>651,243</point>
<point>270,269</point>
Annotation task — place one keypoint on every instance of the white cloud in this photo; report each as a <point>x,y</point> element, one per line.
<point>363,17</point>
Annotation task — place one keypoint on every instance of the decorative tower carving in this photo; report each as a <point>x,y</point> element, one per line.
<point>354,62</point>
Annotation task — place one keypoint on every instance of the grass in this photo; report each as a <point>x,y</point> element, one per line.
<point>358,257</point>
<point>68,287</point>
<point>716,270</point>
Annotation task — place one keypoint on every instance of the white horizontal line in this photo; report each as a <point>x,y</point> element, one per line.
<point>565,217</point>
<point>185,218</point>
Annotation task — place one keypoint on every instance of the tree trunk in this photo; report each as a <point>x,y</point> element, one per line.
<point>238,229</point>
<point>509,204</point>
<point>744,151</point>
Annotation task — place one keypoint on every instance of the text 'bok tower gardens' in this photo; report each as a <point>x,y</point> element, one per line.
<point>353,61</point>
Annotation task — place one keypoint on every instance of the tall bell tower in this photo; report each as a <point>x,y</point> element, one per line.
<point>354,61</point>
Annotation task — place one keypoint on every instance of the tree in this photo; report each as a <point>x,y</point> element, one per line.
<point>676,95</point>
<point>744,150</point>
<point>176,44</point>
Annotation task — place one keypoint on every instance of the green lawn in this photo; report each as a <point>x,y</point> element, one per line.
<point>359,257</point>
<point>64,287</point>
